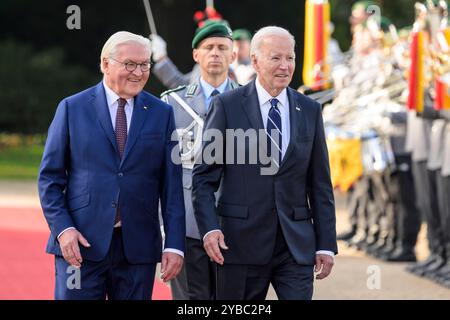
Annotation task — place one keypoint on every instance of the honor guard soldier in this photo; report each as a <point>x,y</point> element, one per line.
<point>213,52</point>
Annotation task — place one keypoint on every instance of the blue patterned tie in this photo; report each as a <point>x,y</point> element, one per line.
<point>274,130</point>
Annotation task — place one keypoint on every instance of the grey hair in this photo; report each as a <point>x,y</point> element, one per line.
<point>110,47</point>
<point>265,32</point>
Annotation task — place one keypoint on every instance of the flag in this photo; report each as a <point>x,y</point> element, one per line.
<point>416,72</point>
<point>315,67</point>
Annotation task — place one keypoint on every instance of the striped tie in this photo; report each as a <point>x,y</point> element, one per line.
<point>121,137</point>
<point>121,126</point>
<point>274,130</point>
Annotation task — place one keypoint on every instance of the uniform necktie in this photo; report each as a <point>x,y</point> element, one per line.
<point>211,96</point>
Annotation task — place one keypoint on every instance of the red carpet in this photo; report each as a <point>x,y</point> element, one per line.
<point>26,271</point>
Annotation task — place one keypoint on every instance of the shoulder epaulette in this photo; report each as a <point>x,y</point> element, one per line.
<point>234,85</point>
<point>173,90</point>
<point>191,90</point>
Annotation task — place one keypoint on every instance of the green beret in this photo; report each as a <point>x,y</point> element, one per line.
<point>242,34</point>
<point>211,29</point>
<point>439,3</point>
<point>385,23</point>
<point>362,5</point>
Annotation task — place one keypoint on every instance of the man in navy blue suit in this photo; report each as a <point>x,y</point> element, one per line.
<point>271,224</point>
<point>107,164</point>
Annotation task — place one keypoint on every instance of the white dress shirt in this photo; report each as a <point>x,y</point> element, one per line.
<point>113,104</point>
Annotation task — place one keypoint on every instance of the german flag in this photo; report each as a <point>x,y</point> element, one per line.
<point>442,99</point>
<point>315,67</point>
<point>416,72</point>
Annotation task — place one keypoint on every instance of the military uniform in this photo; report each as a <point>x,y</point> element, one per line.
<point>189,124</point>
<point>167,72</point>
<point>443,275</point>
<point>423,143</point>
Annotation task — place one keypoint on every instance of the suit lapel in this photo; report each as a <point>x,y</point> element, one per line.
<point>195,98</point>
<point>250,105</point>
<point>104,117</point>
<point>140,111</point>
<point>298,125</point>
<point>231,85</point>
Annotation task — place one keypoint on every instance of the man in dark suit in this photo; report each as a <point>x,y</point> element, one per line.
<point>106,165</point>
<point>267,227</point>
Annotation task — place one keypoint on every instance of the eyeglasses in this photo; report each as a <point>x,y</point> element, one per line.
<point>130,66</point>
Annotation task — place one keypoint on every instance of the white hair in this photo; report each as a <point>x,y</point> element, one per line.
<point>110,47</point>
<point>265,32</point>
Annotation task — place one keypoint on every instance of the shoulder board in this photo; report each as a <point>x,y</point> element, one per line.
<point>173,90</point>
<point>234,85</point>
<point>191,90</point>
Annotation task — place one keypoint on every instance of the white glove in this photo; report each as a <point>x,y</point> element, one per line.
<point>159,47</point>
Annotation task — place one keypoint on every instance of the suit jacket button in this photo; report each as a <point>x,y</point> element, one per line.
<point>114,204</point>
<point>120,174</point>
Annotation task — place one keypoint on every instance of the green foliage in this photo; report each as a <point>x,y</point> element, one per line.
<point>20,163</point>
<point>18,140</point>
<point>32,83</point>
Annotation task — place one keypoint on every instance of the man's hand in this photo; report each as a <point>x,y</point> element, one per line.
<point>171,264</point>
<point>212,242</point>
<point>324,264</point>
<point>68,242</point>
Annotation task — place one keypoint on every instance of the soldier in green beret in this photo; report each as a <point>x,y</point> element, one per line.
<point>242,66</point>
<point>213,52</point>
<point>165,70</point>
<point>360,12</point>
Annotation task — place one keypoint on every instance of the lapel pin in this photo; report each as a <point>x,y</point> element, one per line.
<point>297,108</point>
<point>145,107</point>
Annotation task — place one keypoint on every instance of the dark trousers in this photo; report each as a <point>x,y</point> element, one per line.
<point>113,277</point>
<point>359,204</point>
<point>444,204</point>
<point>290,280</point>
<point>352,207</point>
<point>196,281</point>
<point>378,216</point>
<point>409,219</point>
<point>427,202</point>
